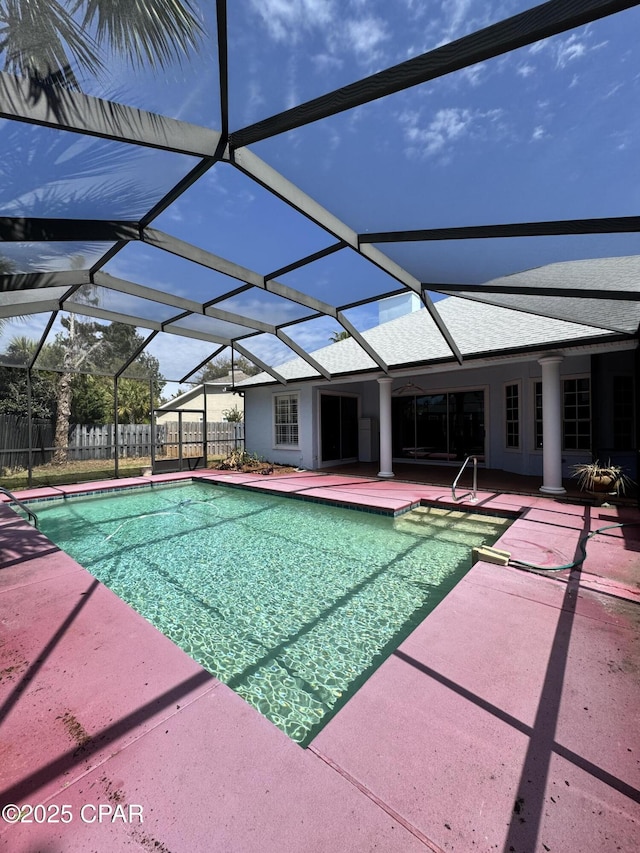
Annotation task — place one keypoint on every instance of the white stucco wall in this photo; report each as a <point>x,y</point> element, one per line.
<point>492,378</point>
<point>259,433</point>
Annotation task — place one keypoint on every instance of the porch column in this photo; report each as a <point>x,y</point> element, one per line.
<point>385,428</point>
<point>551,425</point>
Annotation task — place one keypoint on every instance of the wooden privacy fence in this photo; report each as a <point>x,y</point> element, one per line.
<point>14,441</point>
<point>99,442</point>
<point>222,438</point>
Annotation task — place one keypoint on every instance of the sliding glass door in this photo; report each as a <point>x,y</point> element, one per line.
<point>438,427</point>
<point>338,427</point>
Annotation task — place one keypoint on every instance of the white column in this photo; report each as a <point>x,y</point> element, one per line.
<point>551,425</point>
<point>385,428</point>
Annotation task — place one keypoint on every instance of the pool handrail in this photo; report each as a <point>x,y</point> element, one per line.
<point>474,488</point>
<point>30,513</point>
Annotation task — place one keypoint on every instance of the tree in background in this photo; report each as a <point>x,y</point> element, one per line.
<point>134,402</point>
<point>233,415</point>
<point>98,349</point>
<point>43,39</point>
<point>13,383</point>
<point>220,367</point>
<point>339,336</point>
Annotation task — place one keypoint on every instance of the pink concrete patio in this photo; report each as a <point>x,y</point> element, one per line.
<point>506,721</point>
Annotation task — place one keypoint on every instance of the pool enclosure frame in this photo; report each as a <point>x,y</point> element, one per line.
<point>44,104</point>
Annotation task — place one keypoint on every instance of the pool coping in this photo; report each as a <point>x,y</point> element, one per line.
<point>47,494</point>
<point>341,790</point>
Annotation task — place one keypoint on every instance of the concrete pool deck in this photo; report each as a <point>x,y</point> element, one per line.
<point>508,720</point>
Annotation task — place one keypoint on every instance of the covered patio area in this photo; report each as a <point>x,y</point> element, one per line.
<point>489,479</point>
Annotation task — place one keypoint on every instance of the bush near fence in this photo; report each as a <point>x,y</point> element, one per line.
<point>98,442</point>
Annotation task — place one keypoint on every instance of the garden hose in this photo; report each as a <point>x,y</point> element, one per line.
<point>582,544</point>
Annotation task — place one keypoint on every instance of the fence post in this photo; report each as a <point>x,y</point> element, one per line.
<point>30,428</point>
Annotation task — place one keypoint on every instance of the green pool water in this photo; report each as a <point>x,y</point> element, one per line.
<point>292,604</point>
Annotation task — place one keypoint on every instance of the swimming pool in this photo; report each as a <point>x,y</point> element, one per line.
<point>292,604</point>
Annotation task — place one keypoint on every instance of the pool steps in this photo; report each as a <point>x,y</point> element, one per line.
<point>463,527</point>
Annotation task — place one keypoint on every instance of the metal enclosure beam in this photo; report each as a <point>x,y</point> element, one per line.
<point>311,361</point>
<point>17,309</point>
<point>39,230</point>
<point>362,343</point>
<point>203,363</point>
<point>35,280</point>
<point>23,100</point>
<point>267,369</point>
<point>200,256</point>
<point>609,225</point>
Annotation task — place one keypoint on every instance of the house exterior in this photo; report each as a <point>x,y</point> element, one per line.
<point>533,394</point>
<point>215,398</point>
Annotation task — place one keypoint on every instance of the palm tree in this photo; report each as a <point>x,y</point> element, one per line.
<point>44,39</point>
<point>339,336</point>
<point>134,402</point>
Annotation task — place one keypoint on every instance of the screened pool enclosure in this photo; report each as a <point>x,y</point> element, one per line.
<point>187,184</point>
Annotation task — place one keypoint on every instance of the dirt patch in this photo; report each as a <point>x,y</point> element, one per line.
<point>10,673</point>
<point>75,729</point>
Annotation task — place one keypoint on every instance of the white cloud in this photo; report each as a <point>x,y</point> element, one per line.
<point>539,133</point>
<point>538,46</point>
<point>365,36</point>
<point>292,98</point>
<point>457,19</point>
<point>448,127</point>
<point>613,89</point>
<point>568,50</point>
<point>325,62</point>
<point>525,70</point>
<point>254,100</point>
<point>474,73</point>
<point>287,19</point>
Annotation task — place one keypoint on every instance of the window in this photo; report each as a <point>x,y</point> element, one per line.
<point>576,414</point>
<point>623,411</point>
<point>512,415</point>
<point>286,420</point>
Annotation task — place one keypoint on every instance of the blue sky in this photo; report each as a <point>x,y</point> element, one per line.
<point>547,132</point>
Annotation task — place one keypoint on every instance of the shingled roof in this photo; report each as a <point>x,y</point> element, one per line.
<point>601,274</point>
<point>488,325</point>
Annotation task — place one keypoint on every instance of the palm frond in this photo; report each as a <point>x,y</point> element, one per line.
<point>42,40</point>
<point>155,32</point>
